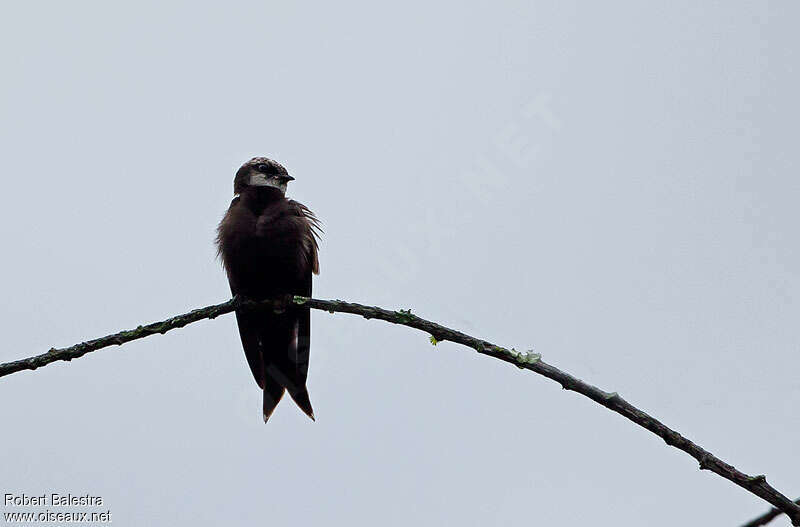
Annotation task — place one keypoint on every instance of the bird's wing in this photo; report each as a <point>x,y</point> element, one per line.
<point>249,327</point>
<point>300,346</point>
<point>310,236</point>
<point>299,351</point>
<point>247,322</point>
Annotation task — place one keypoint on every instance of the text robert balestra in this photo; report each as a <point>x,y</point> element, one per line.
<point>52,500</point>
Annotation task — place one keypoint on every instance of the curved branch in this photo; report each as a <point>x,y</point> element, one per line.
<point>755,484</point>
<point>766,517</point>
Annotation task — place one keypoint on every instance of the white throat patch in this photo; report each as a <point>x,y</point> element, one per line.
<point>260,180</point>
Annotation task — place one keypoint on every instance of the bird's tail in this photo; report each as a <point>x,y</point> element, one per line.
<point>303,401</point>
<point>285,344</point>
<point>276,383</point>
<point>273,392</point>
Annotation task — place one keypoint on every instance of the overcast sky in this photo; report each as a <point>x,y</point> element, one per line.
<point>613,184</point>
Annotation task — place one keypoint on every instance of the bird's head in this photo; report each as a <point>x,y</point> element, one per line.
<point>261,172</point>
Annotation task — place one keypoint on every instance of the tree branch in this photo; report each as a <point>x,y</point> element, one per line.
<point>525,360</point>
<point>766,517</point>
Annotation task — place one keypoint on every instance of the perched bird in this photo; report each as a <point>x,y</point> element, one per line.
<point>268,246</point>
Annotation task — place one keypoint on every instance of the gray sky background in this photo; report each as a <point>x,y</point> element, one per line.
<point>614,184</point>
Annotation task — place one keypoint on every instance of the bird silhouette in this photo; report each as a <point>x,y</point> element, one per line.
<point>268,247</point>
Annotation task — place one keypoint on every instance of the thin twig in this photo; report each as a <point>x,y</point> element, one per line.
<point>766,517</point>
<point>755,484</point>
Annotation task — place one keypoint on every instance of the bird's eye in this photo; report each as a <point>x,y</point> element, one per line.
<point>262,168</point>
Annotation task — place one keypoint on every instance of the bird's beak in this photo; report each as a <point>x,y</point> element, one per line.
<point>287,178</point>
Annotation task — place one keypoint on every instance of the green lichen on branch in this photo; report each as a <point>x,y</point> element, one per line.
<point>300,300</point>
<point>404,316</point>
